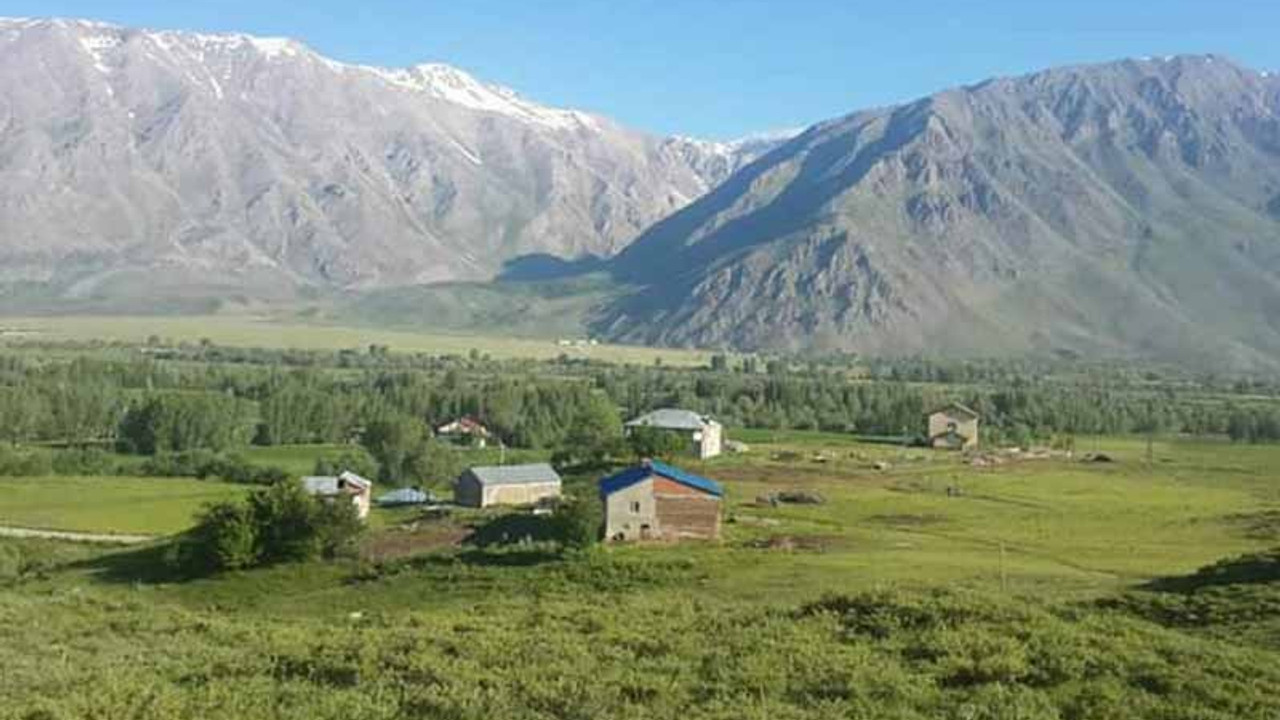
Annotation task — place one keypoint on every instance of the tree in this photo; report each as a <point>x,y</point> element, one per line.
<point>22,413</point>
<point>595,432</point>
<point>647,442</point>
<point>286,518</point>
<point>433,462</point>
<point>355,460</point>
<point>175,422</point>
<point>224,538</point>
<point>576,522</point>
<point>396,442</point>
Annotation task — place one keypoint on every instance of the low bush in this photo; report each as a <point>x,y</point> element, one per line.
<point>25,462</point>
<point>204,464</point>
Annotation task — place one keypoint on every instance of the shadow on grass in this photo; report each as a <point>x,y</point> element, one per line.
<point>149,565</point>
<point>511,529</point>
<point>1252,569</point>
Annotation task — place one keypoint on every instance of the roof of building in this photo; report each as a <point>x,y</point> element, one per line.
<point>515,474</point>
<point>672,419</point>
<point>331,485</point>
<point>958,409</point>
<point>465,425</point>
<point>649,468</point>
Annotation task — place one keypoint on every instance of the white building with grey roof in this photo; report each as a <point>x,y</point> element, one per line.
<point>485,486</point>
<point>343,486</point>
<point>706,436</point>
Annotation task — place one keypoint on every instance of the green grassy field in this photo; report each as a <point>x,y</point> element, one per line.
<point>122,505</point>
<point>1055,526</point>
<point>296,459</point>
<point>240,331</point>
<point>894,598</point>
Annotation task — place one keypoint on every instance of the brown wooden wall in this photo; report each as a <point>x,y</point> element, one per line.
<point>685,512</point>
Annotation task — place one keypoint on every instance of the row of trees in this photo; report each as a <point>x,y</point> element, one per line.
<point>149,405</point>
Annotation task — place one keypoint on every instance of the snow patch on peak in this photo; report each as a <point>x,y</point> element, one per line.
<point>268,47</point>
<point>97,46</point>
<point>448,83</point>
<point>745,143</point>
<point>436,80</point>
<point>275,47</point>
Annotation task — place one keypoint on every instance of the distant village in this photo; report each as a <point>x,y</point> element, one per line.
<point>652,500</point>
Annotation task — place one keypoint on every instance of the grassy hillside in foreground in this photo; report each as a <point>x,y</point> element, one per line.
<point>605,635</point>
<point>1032,594</point>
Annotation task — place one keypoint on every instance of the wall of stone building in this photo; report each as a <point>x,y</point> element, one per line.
<point>712,442</point>
<point>940,422</point>
<point>685,513</point>
<point>629,513</point>
<point>661,509</point>
<point>520,494</point>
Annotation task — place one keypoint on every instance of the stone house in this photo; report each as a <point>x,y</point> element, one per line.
<point>656,501</point>
<point>953,427</point>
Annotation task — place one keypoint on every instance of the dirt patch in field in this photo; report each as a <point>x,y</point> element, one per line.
<point>810,543</point>
<point>789,477</point>
<point>408,541</point>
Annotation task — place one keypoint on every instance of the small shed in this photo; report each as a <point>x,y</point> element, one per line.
<point>953,427</point>
<point>485,486</point>
<point>345,485</point>
<point>657,501</point>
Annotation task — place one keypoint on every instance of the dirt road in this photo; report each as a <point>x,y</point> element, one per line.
<point>19,532</point>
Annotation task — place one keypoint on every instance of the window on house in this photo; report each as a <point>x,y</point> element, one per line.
<point>635,507</point>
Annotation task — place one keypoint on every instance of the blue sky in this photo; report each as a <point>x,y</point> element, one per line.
<point>723,68</point>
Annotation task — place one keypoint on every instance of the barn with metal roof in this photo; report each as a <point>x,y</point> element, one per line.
<point>484,486</point>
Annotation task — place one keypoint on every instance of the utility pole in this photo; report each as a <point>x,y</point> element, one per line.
<point>1004,573</point>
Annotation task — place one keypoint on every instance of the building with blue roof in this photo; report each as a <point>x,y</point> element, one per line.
<point>657,501</point>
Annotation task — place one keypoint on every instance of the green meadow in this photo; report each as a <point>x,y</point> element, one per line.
<point>124,505</point>
<point>922,587</point>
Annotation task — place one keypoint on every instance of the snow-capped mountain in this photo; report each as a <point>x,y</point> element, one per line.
<point>233,161</point>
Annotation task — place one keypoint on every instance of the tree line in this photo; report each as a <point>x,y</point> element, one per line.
<point>152,405</point>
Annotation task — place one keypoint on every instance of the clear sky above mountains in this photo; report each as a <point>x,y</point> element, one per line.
<point>722,68</point>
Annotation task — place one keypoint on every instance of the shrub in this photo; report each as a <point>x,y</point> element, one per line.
<point>576,522</point>
<point>205,464</point>
<point>279,523</point>
<point>286,519</point>
<point>85,461</point>
<point>15,462</point>
<point>225,538</point>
